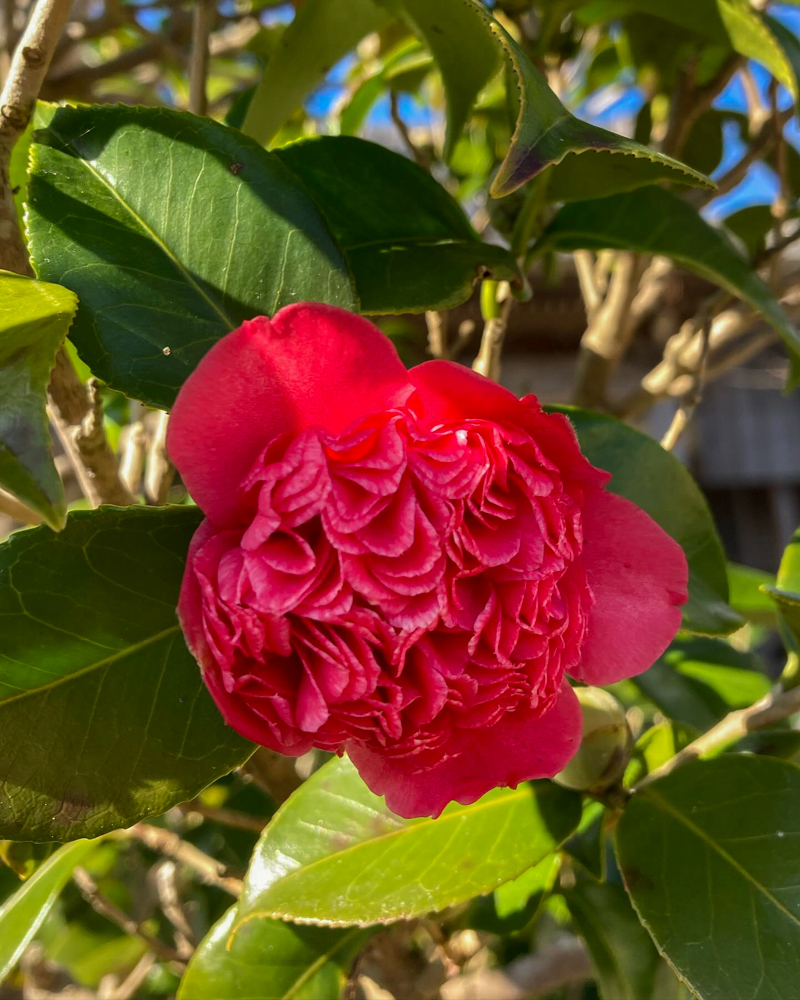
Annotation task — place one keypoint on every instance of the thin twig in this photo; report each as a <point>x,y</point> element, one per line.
<point>129,988</point>
<point>494,334</point>
<point>131,464</point>
<point>202,18</point>
<point>227,817</point>
<point>77,415</point>
<point>436,323</point>
<point>165,842</point>
<point>772,708</point>
<point>159,472</point>
<point>102,905</point>
<point>694,393</point>
<point>416,153</point>
<point>166,879</point>
<point>585,267</point>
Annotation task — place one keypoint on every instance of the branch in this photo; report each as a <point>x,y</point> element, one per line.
<point>165,842</point>
<point>608,334</point>
<point>772,708</point>
<point>25,76</point>
<point>160,471</point>
<point>77,415</point>
<point>227,817</point>
<point>494,334</point>
<point>202,18</point>
<point>102,905</point>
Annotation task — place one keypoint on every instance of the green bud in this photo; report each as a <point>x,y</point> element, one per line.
<point>605,747</point>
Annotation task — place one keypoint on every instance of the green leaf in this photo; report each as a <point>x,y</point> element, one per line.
<point>786,593</point>
<point>271,960</point>
<point>104,718</point>
<point>322,33</point>
<point>751,225</point>
<point>655,747</point>
<point>748,598</point>
<point>546,133</point>
<point>334,832</point>
<point>406,62</point>
<point>736,23</point>
<point>654,479</point>
<point>653,220</point>
<point>464,50</point>
<point>727,914</point>
<point>166,261</point>
<point>23,913</point>
<point>409,245</point>
<point>34,319</point>
<point>622,953</point>
<point>586,844</point>
<point>698,681</point>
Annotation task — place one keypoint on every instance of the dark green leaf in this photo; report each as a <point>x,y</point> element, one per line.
<point>655,747</point>
<point>703,147</point>
<point>748,598</point>
<point>270,960</point>
<point>22,914</point>
<point>788,605</point>
<point>322,32</point>
<point>104,718</point>
<point>166,261</point>
<point>546,133</point>
<point>653,220</point>
<point>34,319</point>
<point>751,225</point>
<point>698,681</point>
<point>654,479</point>
<point>335,832</point>
<point>709,858</point>
<point>408,242</point>
<point>586,844</point>
<point>624,958</point>
<point>464,50</point>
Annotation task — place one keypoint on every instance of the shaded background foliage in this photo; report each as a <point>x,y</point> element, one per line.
<point>528,191</point>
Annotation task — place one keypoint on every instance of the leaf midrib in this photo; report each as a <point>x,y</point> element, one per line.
<point>97,665</point>
<point>515,796</point>
<point>187,276</point>
<point>715,846</point>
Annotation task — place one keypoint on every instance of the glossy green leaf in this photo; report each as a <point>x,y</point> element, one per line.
<point>22,914</point>
<point>402,64</point>
<point>625,961</point>
<point>322,33</point>
<point>736,23</point>
<point>654,479</point>
<point>409,245</point>
<point>747,597</point>
<point>334,854</point>
<point>586,844</point>
<point>698,681</point>
<point>655,747</point>
<point>166,261</point>
<point>465,52</point>
<point>34,319</point>
<point>104,718</point>
<point>786,593</point>
<point>271,960</point>
<point>546,133</point>
<point>727,914</point>
<point>653,220</point>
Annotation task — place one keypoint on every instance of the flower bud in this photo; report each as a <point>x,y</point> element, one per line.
<point>605,746</point>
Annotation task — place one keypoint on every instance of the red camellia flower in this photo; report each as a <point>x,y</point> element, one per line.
<point>404,565</point>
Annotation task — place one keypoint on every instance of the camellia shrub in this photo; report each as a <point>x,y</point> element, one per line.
<point>329,666</point>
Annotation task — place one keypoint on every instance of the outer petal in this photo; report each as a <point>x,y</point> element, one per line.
<point>448,392</point>
<point>638,576</point>
<point>521,746</point>
<point>311,365</point>
<point>234,710</point>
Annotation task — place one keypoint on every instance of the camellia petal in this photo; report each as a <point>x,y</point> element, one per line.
<point>638,576</point>
<point>311,365</point>
<point>404,566</point>
<point>522,746</point>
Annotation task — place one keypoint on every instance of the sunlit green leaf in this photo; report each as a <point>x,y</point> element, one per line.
<point>34,319</point>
